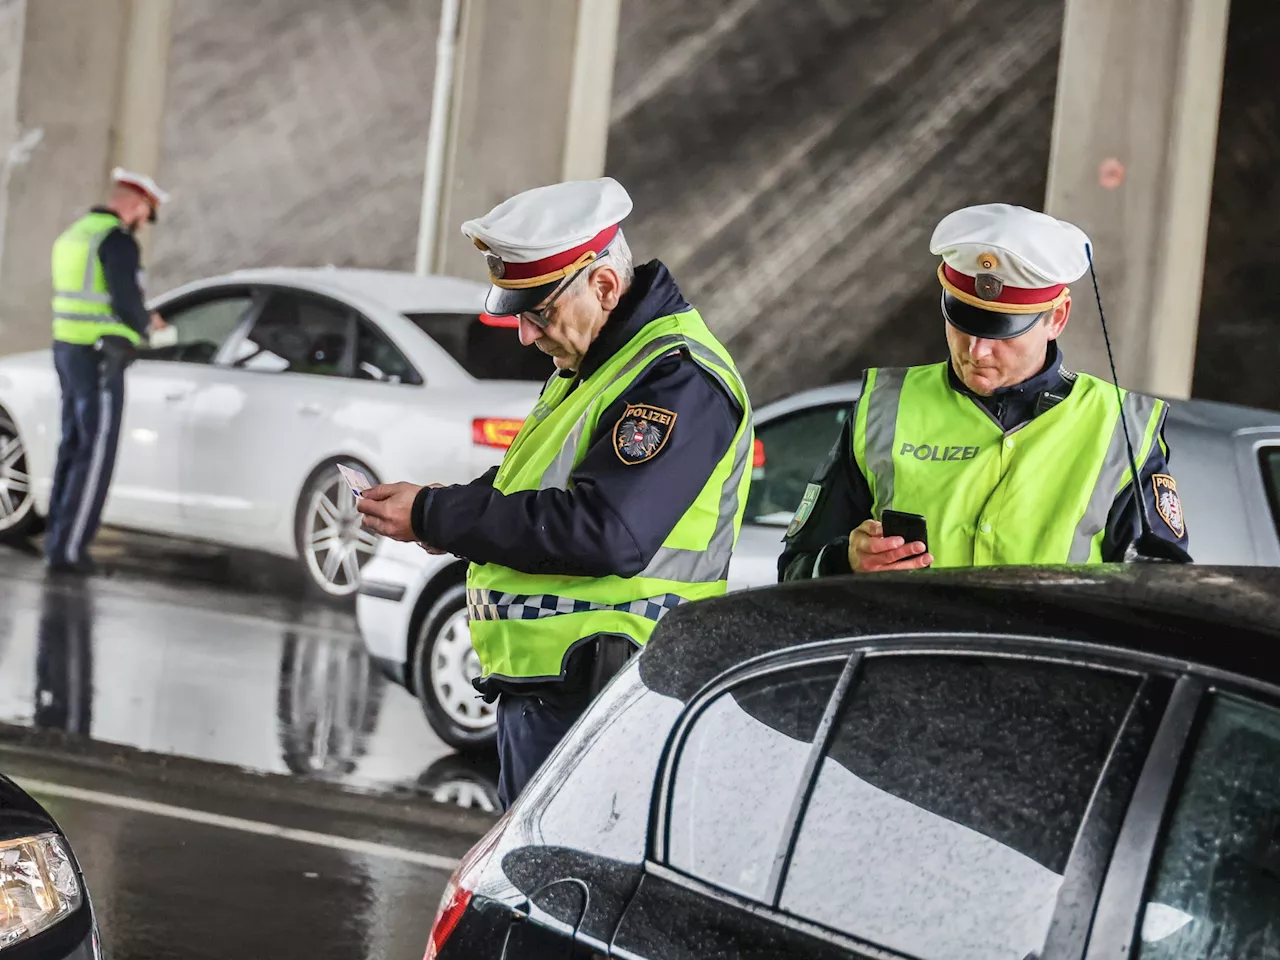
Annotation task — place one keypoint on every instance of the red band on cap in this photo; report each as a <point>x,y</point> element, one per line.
<point>526,271</point>
<point>1023,295</point>
<point>150,197</point>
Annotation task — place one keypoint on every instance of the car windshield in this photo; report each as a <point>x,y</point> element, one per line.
<point>485,350</point>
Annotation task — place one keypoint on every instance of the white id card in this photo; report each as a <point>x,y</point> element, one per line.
<point>164,337</point>
<point>356,480</point>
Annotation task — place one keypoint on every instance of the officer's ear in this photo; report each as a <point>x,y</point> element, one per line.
<point>1056,322</point>
<point>607,286</point>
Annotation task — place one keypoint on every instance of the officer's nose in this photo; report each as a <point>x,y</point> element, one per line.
<point>529,332</point>
<point>979,349</point>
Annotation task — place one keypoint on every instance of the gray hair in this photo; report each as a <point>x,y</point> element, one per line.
<point>618,256</point>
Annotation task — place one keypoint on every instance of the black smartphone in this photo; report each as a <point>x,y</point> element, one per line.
<point>909,526</point>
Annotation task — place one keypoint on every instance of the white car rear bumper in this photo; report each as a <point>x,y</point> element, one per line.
<point>390,585</point>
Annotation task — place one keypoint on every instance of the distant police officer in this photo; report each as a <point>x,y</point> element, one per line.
<point>98,320</point>
<point>1010,457</point>
<point>622,495</point>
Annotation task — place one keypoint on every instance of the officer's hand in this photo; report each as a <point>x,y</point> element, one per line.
<point>157,322</point>
<point>388,509</point>
<point>870,551</point>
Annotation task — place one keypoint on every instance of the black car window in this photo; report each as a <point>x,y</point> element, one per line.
<point>1216,890</point>
<point>945,809</point>
<point>598,798</point>
<point>738,772</point>
<point>484,347</point>
<point>1270,460</point>
<point>299,334</point>
<point>200,328</point>
<point>793,447</point>
<point>377,358</point>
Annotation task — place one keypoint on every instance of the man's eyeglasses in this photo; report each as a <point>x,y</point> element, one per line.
<point>538,315</point>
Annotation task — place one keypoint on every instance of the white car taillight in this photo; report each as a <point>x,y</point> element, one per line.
<point>460,888</point>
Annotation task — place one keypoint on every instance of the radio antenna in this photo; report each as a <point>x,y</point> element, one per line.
<point>1149,546</point>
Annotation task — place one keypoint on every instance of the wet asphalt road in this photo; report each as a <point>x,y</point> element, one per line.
<point>176,713</point>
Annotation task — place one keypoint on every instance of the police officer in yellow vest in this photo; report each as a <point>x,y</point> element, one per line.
<point>1010,457</point>
<point>98,320</point>
<point>622,495</point>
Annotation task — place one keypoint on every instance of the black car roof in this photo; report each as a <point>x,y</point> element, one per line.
<point>1225,618</point>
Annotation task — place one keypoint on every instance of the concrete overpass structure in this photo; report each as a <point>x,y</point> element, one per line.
<point>1131,159</point>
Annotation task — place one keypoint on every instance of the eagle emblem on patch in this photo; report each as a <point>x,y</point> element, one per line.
<point>1169,504</point>
<point>642,432</point>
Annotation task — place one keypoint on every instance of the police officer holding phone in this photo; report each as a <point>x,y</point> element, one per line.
<point>999,455</point>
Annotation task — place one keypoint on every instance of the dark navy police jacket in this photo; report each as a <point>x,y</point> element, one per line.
<point>845,499</point>
<point>615,515</point>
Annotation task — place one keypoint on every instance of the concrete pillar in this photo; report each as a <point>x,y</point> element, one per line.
<point>1134,135</point>
<point>89,95</point>
<point>532,87</point>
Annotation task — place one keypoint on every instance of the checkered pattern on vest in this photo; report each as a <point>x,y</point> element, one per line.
<point>492,605</point>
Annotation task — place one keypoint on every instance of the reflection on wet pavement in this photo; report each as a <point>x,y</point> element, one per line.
<point>216,655</point>
<point>165,888</point>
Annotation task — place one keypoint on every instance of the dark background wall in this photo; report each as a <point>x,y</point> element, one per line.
<point>788,160</point>
<point>1238,354</point>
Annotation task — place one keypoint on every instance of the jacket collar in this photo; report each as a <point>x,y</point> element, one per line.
<point>653,294</point>
<point>1052,378</point>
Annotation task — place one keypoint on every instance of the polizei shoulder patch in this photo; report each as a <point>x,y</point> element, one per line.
<point>805,509</point>
<point>642,432</point>
<point>1169,504</point>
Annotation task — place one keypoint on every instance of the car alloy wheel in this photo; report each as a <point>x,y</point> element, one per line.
<point>442,667</point>
<point>454,665</point>
<point>16,502</point>
<point>333,544</point>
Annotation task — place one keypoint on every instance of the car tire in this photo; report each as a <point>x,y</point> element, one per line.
<point>441,669</point>
<point>332,545</point>
<point>18,517</point>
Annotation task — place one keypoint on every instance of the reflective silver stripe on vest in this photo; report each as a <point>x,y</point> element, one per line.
<point>493,605</point>
<point>711,564</point>
<point>94,244</point>
<point>882,424</point>
<point>92,317</point>
<point>1137,409</point>
<point>556,476</point>
<point>90,297</point>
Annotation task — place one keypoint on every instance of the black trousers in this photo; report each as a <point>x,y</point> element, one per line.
<point>531,726</point>
<point>528,730</point>
<point>92,382</point>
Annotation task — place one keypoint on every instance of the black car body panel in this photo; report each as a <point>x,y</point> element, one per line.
<point>1161,609</point>
<point>586,857</point>
<point>75,937</point>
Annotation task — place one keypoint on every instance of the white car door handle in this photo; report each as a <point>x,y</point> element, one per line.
<point>177,395</point>
<point>309,409</point>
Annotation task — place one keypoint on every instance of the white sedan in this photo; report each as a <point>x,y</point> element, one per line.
<point>233,433</point>
<point>412,607</point>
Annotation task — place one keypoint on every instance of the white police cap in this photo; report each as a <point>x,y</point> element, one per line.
<point>1004,267</point>
<point>535,239</point>
<point>144,185</point>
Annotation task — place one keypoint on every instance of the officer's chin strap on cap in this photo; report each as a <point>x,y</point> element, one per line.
<point>1149,547</point>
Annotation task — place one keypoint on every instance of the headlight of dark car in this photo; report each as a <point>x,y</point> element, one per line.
<point>38,886</point>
